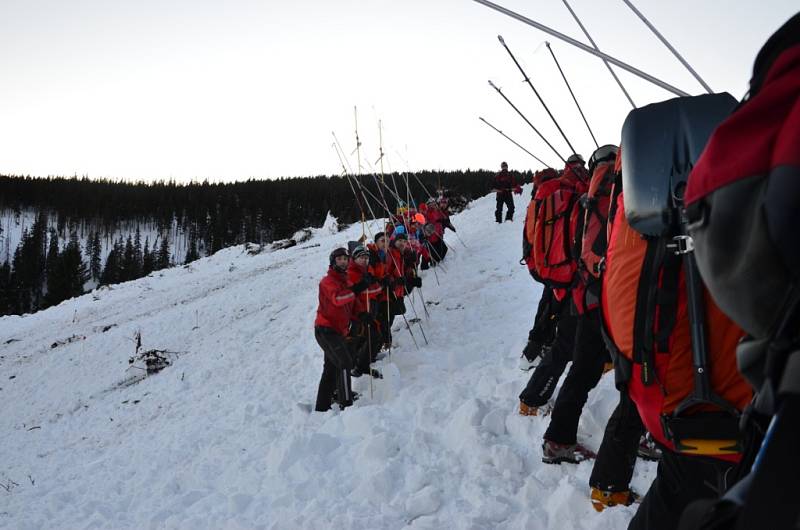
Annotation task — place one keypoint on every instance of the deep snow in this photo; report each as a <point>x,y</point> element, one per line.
<point>217,440</point>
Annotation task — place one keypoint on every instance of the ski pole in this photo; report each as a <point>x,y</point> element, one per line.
<point>527,121</point>
<point>571,93</point>
<point>528,80</point>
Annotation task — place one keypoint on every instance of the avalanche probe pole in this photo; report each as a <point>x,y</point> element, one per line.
<point>528,80</point>
<point>584,47</point>
<point>527,121</point>
<point>513,142</point>
<point>571,93</point>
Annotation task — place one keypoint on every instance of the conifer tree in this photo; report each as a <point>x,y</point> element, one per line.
<point>95,249</point>
<point>164,257</point>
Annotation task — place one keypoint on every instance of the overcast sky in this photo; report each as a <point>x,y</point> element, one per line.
<point>194,89</point>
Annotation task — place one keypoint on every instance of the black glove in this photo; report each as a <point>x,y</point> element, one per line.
<point>360,286</point>
<point>386,282</point>
<point>368,277</point>
<point>365,317</point>
<point>426,264</point>
<point>416,281</point>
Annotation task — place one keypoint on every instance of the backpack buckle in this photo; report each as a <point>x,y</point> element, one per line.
<point>681,245</point>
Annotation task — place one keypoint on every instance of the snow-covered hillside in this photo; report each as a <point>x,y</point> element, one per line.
<point>217,441</point>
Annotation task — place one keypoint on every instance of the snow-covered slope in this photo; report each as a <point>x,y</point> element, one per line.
<point>217,440</point>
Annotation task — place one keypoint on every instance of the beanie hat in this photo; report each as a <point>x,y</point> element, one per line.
<point>359,250</point>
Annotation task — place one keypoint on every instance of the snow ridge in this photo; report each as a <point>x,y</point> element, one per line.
<point>216,440</point>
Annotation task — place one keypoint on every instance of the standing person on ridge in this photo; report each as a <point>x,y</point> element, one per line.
<point>504,184</point>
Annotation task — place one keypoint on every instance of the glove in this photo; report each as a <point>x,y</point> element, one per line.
<point>358,287</point>
<point>399,282</point>
<point>386,282</point>
<point>426,264</point>
<point>416,281</point>
<point>368,277</point>
<point>365,317</point>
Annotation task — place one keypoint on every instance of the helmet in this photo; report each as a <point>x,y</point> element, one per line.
<point>399,229</point>
<point>606,153</point>
<point>341,251</point>
<point>503,165</point>
<point>419,218</point>
<point>575,158</point>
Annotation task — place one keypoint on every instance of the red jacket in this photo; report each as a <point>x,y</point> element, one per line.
<point>336,302</point>
<point>503,182</point>
<point>398,265</point>
<point>354,275</point>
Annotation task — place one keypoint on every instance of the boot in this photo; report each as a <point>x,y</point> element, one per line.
<point>498,217</point>
<point>606,499</point>
<point>556,453</point>
<point>527,410</point>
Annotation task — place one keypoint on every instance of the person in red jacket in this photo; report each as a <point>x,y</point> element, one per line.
<point>336,300</point>
<point>365,333</point>
<point>504,184</point>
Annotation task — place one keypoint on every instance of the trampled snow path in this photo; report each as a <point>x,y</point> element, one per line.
<point>216,440</point>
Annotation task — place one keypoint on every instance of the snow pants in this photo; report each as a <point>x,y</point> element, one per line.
<point>385,320</point>
<point>679,481</point>
<point>366,342</point>
<point>545,322</point>
<point>504,197</point>
<point>616,458</point>
<point>543,381</point>
<point>335,370</point>
<point>588,358</point>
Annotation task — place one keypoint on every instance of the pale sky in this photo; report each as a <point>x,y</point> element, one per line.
<point>194,89</point>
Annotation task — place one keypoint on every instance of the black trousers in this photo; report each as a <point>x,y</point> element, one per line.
<point>545,322</point>
<point>588,359</point>
<point>616,458</point>
<point>438,251</point>
<point>504,197</point>
<point>335,370</point>
<point>385,320</point>
<point>679,481</point>
<point>542,382</point>
<point>365,341</point>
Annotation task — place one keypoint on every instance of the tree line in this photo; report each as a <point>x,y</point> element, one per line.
<point>61,252</point>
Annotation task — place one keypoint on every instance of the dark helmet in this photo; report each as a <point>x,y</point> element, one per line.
<point>605,153</point>
<point>575,158</point>
<point>503,165</point>
<point>335,254</point>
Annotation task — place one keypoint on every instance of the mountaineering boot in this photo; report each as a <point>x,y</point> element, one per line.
<point>648,450</point>
<point>606,499</point>
<point>527,410</point>
<point>498,217</point>
<point>556,453</point>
